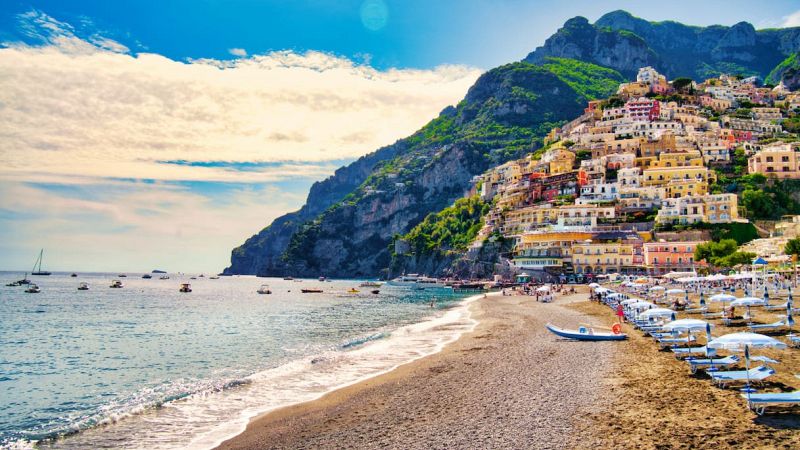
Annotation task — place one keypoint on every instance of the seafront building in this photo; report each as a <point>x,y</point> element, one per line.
<point>607,184</point>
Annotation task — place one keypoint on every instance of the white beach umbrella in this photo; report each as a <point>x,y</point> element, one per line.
<point>748,301</point>
<point>630,301</point>
<point>602,290</point>
<point>641,305</point>
<point>657,312</point>
<point>594,285</point>
<point>675,291</point>
<point>544,288</point>
<point>657,288</point>
<point>744,342</point>
<point>614,295</point>
<point>722,298</point>
<point>684,325</point>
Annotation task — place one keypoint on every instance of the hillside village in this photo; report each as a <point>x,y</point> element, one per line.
<point>642,178</point>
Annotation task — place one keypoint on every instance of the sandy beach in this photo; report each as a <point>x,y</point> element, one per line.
<point>512,384</point>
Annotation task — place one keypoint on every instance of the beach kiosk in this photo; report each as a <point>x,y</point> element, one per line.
<point>524,277</point>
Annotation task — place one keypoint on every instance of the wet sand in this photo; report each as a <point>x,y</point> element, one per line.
<point>508,384</point>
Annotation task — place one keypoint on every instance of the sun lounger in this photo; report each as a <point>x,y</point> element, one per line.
<point>754,375</point>
<point>768,326</point>
<point>688,351</point>
<point>781,307</point>
<point>702,310</point>
<point>702,363</point>
<point>794,340</point>
<point>759,402</point>
<point>712,315</point>
<point>667,341</point>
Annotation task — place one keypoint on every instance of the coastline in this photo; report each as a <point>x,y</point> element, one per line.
<point>507,382</point>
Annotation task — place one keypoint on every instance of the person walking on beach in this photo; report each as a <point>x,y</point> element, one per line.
<point>620,313</point>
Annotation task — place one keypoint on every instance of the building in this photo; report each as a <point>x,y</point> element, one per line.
<point>664,257</point>
<point>713,208</point>
<point>642,109</point>
<point>604,257</point>
<point>779,161</point>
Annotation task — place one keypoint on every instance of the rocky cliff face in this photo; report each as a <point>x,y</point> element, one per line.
<point>673,48</point>
<point>347,225</point>
<point>787,72</point>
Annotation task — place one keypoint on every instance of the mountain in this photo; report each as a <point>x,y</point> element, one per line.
<point>788,72</point>
<point>350,219</point>
<point>620,41</point>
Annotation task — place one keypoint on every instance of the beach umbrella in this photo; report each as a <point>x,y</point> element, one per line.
<point>675,291</point>
<point>544,288</point>
<point>748,302</point>
<point>594,285</point>
<point>629,301</point>
<point>744,342</point>
<point>602,290</point>
<point>656,312</point>
<point>641,305</point>
<point>759,262</point>
<point>657,288</point>
<point>614,295</point>
<point>687,325</point>
<point>722,298</point>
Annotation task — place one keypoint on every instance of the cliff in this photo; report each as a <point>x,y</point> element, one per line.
<point>623,42</point>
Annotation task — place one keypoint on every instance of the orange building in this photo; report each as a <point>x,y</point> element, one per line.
<point>665,257</point>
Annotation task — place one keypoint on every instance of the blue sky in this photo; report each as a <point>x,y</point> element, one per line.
<point>144,134</point>
<point>415,33</point>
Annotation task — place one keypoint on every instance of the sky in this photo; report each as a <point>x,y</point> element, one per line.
<point>161,134</point>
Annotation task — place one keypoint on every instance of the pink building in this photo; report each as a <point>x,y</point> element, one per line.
<point>665,257</point>
<point>642,109</point>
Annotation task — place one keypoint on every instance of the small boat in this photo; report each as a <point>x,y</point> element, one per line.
<point>74,275</point>
<point>321,278</point>
<point>288,278</point>
<point>14,284</point>
<point>376,291</point>
<point>158,271</point>
<point>202,276</point>
<point>38,262</point>
<point>370,284</point>
<point>185,287</point>
<point>192,278</point>
<point>213,278</point>
<point>33,289</point>
<point>586,334</point>
<point>311,291</point>
<point>163,277</point>
<point>353,291</point>
<point>122,275</point>
<point>116,284</point>
<point>83,287</point>
<point>147,276</point>
<point>264,289</point>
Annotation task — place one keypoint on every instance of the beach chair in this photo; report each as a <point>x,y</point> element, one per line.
<point>712,315</point>
<point>668,341</point>
<point>688,351</point>
<point>781,307</point>
<point>705,363</point>
<point>755,375</point>
<point>794,340</point>
<point>768,326</point>
<point>702,310</point>
<point>758,403</point>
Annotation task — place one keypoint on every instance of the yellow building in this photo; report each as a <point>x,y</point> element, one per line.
<point>541,249</point>
<point>532,217</point>
<point>686,188</point>
<point>602,257</point>
<point>633,90</point>
<point>779,161</point>
<point>558,160</point>
<point>679,159</point>
<point>663,176</point>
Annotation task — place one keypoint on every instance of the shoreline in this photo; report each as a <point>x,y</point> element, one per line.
<point>396,408</point>
<point>465,304</point>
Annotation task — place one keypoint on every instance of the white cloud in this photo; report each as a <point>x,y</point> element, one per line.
<point>792,20</point>
<point>238,52</point>
<point>85,115</point>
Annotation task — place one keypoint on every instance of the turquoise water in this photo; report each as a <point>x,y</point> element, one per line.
<point>149,367</point>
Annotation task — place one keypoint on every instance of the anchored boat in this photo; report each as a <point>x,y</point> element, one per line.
<point>38,263</point>
<point>586,334</point>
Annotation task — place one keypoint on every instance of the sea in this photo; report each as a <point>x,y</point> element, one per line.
<point>147,366</point>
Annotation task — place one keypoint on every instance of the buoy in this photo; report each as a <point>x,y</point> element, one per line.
<point>616,328</point>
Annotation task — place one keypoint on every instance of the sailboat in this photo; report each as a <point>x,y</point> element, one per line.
<point>38,263</point>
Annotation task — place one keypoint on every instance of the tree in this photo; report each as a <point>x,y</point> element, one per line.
<point>721,254</point>
<point>734,259</point>
<point>681,83</point>
<point>792,247</point>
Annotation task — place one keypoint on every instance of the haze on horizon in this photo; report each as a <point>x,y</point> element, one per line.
<point>162,136</point>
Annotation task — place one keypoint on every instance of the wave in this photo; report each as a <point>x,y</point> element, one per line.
<point>203,414</point>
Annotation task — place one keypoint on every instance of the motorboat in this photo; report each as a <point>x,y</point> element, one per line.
<point>33,289</point>
<point>185,287</point>
<point>116,284</point>
<point>164,277</point>
<point>202,276</point>
<point>147,276</point>
<point>39,271</point>
<point>587,334</point>
<point>83,287</point>
<point>288,278</point>
<point>14,284</point>
<point>74,275</point>
<point>376,291</point>
<point>122,275</point>
<point>370,284</point>
<point>405,280</point>
<point>321,278</point>
<point>264,289</point>
<point>213,278</point>
<point>311,291</point>
<point>192,278</point>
